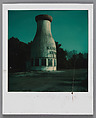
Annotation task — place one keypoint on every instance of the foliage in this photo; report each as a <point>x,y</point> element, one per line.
<point>70,60</point>
<point>19,53</point>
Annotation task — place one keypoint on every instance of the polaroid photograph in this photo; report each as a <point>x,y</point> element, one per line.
<point>47,57</point>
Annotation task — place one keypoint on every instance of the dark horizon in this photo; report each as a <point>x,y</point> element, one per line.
<point>55,41</point>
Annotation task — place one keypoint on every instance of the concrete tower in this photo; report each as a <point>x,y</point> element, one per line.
<point>43,51</point>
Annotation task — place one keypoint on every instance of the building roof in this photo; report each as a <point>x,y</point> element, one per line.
<point>44,17</point>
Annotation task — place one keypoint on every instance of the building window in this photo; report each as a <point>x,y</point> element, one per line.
<point>36,62</point>
<point>54,62</point>
<point>49,62</point>
<point>43,62</point>
<point>32,62</point>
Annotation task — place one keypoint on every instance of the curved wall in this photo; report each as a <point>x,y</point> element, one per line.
<point>43,46</point>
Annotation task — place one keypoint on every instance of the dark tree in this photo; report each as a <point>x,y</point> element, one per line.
<point>61,57</point>
<point>18,54</point>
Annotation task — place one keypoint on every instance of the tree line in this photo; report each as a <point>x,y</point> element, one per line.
<point>19,53</point>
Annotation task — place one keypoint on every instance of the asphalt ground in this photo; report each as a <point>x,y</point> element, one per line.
<point>49,81</point>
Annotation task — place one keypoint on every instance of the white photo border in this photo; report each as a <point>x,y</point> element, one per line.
<point>55,103</point>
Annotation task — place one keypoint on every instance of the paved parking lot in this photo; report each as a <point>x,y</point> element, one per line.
<point>55,81</point>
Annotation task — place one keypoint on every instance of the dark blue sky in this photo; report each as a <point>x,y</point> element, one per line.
<point>69,27</point>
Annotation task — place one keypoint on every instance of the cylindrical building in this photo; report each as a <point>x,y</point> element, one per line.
<point>43,51</point>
